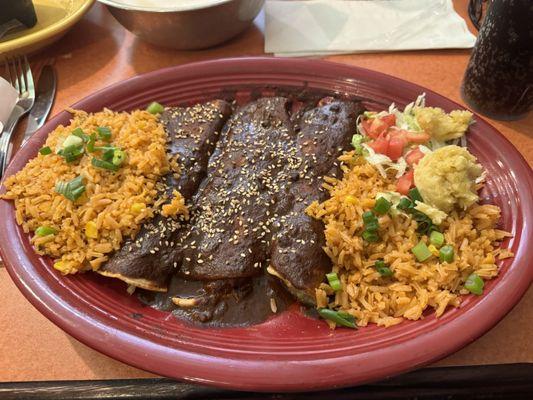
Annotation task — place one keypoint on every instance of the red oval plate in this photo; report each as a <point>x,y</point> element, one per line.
<point>289,352</point>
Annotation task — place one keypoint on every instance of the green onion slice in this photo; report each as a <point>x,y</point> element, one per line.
<point>108,153</point>
<point>72,190</point>
<point>91,143</point>
<point>383,268</point>
<point>446,254</point>
<point>45,231</point>
<point>339,317</point>
<point>414,194</point>
<point>474,284</point>
<point>370,237</point>
<point>155,108</point>
<point>104,133</point>
<point>382,206</point>
<point>372,226</point>
<point>436,238</point>
<point>421,252</point>
<point>334,281</point>
<point>45,151</point>
<point>368,217</point>
<point>404,204</point>
<point>79,133</point>
<point>119,156</point>
<point>71,141</point>
<point>72,152</point>
<point>104,164</point>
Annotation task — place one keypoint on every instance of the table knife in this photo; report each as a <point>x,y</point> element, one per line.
<point>44,98</point>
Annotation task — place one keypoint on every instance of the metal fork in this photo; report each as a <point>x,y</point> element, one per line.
<point>18,72</point>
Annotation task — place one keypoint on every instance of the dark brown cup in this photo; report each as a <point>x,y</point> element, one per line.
<point>498,81</point>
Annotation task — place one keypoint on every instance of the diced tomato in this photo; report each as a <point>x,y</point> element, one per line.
<point>377,128</point>
<point>365,123</point>
<point>417,137</point>
<point>396,146</point>
<point>380,145</point>
<point>414,156</point>
<point>411,137</point>
<point>389,119</point>
<point>396,132</point>
<point>405,182</point>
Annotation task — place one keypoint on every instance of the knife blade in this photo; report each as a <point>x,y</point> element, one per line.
<point>44,98</point>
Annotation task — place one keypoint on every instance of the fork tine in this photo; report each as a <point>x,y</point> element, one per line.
<point>30,87</point>
<point>8,71</point>
<point>13,73</point>
<point>20,76</point>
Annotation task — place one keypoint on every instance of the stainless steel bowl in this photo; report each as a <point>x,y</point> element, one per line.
<point>187,24</point>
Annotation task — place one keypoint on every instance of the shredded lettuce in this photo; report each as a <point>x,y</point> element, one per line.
<point>384,163</point>
<point>424,149</point>
<point>377,160</point>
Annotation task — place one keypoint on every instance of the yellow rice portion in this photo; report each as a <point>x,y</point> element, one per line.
<point>114,204</point>
<point>415,285</point>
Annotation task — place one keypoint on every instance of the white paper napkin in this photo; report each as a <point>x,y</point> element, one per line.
<point>8,99</point>
<point>322,27</point>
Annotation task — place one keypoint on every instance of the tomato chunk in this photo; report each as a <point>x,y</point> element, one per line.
<point>405,182</point>
<point>389,119</point>
<point>365,124</point>
<point>396,146</point>
<point>411,137</point>
<point>377,128</point>
<point>414,156</point>
<point>417,137</point>
<point>380,145</point>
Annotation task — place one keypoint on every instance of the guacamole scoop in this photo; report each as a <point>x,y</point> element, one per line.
<point>447,177</point>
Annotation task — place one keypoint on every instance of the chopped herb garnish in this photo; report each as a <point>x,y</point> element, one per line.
<point>370,237</point>
<point>91,143</point>
<point>72,190</point>
<point>436,238</point>
<point>370,233</point>
<point>446,254</point>
<point>339,317</point>
<point>45,231</point>
<point>404,204</point>
<point>79,133</point>
<point>45,151</point>
<point>155,108</point>
<point>104,133</point>
<point>414,194</point>
<point>72,153</point>
<point>421,252</point>
<point>107,153</point>
<point>424,224</point>
<point>382,206</point>
<point>72,140</point>
<point>383,268</point>
<point>104,164</point>
<point>474,284</point>
<point>119,156</point>
<point>368,216</point>
<point>334,281</point>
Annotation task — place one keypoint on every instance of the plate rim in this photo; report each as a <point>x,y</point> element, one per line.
<point>201,362</point>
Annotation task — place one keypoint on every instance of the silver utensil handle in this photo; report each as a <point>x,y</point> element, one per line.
<point>5,139</point>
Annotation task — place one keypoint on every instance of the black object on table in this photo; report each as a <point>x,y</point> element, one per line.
<point>20,10</point>
<point>504,381</point>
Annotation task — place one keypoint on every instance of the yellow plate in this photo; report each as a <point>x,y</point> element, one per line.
<point>54,19</point>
